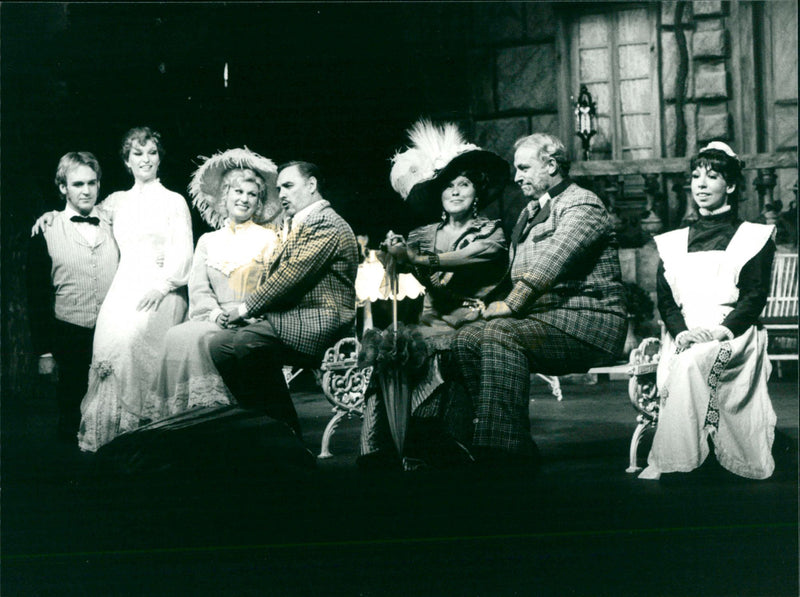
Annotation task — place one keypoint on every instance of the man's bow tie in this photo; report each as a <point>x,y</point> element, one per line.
<point>86,220</point>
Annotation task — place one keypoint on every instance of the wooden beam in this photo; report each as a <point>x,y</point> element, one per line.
<point>675,165</point>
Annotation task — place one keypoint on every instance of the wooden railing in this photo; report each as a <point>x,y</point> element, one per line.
<point>650,196</point>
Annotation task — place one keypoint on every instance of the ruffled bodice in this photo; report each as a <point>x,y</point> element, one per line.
<point>228,265</point>
<point>448,290</point>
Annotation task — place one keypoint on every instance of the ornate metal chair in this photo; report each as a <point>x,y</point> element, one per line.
<point>343,383</point>
<point>555,385</point>
<point>643,393</point>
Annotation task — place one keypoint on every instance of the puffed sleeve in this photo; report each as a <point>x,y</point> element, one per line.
<point>177,245</point>
<point>491,242</point>
<point>202,298</point>
<point>484,242</point>
<point>108,206</point>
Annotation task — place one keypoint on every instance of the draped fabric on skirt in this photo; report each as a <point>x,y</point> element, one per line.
<point>227,266</point>
<point>716,389</point>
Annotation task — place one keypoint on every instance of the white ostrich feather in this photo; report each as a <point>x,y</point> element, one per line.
<point>432,148</point>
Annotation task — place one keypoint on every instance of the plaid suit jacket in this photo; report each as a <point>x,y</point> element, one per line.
<point>565,269</point>
<point>309,294</point>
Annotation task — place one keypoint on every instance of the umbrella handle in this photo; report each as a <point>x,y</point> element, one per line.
<point>395,288</point>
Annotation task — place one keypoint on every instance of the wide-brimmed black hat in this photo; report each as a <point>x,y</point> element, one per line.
<point>425,197</point>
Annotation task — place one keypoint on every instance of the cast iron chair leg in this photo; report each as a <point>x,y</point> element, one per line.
<point>329,430</point>
<point>643,425</point>
<point>555,385</point>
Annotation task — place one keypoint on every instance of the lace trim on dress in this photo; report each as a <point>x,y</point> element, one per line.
<point>243,245</point>
<point>723,357</point>
<point>198,391</point>
<point>105,416</point>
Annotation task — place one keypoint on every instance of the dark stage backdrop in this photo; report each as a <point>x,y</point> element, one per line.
<point>337,84</point>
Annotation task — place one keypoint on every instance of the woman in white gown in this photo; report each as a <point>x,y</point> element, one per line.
<point>153,229</point>
<point>713,283</point>
<point>235,191</point>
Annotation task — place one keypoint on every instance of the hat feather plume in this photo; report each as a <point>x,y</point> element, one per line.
<point>432,148</point>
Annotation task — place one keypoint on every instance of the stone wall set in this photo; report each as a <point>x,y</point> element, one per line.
<point>516,69</point>
<point>517,64</point>
<point>705,93</point>
<point>518,59</point>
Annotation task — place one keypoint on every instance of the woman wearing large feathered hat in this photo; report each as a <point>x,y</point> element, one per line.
<point>235,192</point>
<point>459,256</point>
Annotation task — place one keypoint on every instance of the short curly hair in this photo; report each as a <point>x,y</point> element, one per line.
<point>140,135</point>
<point>547,146</point>
<point>239,175</point>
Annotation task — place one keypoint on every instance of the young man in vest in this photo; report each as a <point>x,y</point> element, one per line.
<point>70,267</point>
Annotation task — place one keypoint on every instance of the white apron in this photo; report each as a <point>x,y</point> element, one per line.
<point>716,389</point>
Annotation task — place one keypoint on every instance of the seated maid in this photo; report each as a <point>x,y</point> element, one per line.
<point>712,284</point>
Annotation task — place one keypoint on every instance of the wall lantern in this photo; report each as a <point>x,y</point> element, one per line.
<point>585,119</point>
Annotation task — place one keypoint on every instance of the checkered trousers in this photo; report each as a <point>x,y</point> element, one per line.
<point>496,358</point>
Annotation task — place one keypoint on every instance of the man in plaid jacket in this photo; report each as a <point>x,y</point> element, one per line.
<point>305,304</point>
<point>565,312</point>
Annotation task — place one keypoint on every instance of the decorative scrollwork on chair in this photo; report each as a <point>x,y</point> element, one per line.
<point>643,392</point>
<point>344,384</point>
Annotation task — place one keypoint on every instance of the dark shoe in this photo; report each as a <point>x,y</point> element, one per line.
<point>380,460</point>
<point>428,442</point>
<point>496,459</point>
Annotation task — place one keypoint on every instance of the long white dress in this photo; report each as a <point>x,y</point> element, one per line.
<point>153,229</point>
<point>228,265</point>
<point>713,389</point>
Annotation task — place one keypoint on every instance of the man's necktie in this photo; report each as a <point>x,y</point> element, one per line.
<point>522,222</point>
<point>86,220</point>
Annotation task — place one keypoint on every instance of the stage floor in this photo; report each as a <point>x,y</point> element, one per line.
<point>582,526</point>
